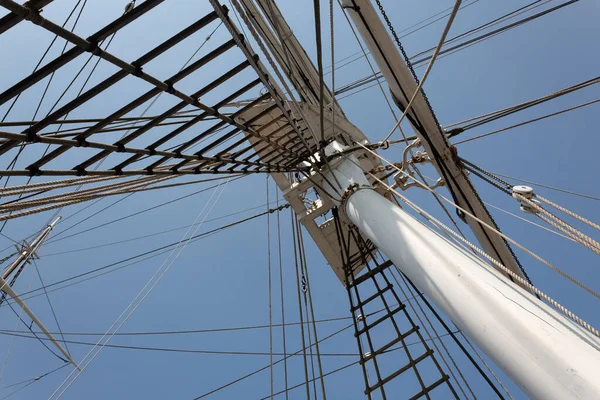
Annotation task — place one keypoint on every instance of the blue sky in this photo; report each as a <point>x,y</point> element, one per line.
<point>221,281</point>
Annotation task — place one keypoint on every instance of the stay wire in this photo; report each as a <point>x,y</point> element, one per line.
<point>494,115</point>
<point>302,333</point>
<point>302,257</point>
<point>199,331</point>
<point>37,269</point>
<point>435,20</point>
<point>34,334</point>
<point>364,54</point>
<point>505,17</point>
<point>155,250</point>
<point>281,291</point>
<point>527,122</point>
<point>233,382</point>
<point>270,292</point>
<point>18,390</point>
<point>130,215</point>
<point>345,367</point>
<point>36,378</point>
<point>312,313</point>
<point>132,239</point>
<point>142,295</point>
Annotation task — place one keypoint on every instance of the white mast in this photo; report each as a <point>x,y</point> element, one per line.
<point>546,354</point>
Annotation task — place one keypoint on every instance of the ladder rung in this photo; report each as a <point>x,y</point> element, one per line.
<point>430,387</point>
<point>380,320</point>
<point>390,344</point>
<point>371,298</point>
<point>401,370</point>
<point>370,273</point>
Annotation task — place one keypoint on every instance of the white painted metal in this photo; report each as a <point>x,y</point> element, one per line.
<point>402,85</point>
<point>10,292</point>
<point>23,257</point>
<point>546,354</point>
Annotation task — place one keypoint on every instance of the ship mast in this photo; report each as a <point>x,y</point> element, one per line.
<point>288,125</point>
<point>549,355</point>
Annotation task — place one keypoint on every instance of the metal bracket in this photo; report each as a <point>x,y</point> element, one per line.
<point>402,177</point>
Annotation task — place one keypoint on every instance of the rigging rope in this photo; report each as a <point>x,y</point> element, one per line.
<point>568,212</point>
<point>75,200</point>
<point>92,193</point>
<point>572,233</point>
<point>529,222</point>
<point>561,225</point>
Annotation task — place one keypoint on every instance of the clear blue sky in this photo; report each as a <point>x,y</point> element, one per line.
<point>221,281</point>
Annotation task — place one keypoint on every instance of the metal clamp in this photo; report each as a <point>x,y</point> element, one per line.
<point>401,178</point>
